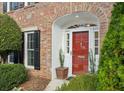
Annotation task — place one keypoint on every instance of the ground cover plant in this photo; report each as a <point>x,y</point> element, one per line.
<point>85,82</point>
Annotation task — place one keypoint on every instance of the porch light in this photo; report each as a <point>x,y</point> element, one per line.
<point>87,25</point>
<point>77,16</point>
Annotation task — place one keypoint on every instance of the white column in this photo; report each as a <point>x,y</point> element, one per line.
<point>26,4</point>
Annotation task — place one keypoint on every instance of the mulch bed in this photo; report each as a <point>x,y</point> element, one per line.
<point>35,84</point>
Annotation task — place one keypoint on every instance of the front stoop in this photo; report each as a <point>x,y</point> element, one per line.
<point>54,84</point>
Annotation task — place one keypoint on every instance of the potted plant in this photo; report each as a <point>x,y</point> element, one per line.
<point>61,72</point>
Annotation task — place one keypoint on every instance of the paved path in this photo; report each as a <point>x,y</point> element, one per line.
<point>35,84</point>
<point>54,84</point>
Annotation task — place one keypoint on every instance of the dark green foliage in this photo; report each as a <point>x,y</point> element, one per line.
<point>121,76</point>
<point>10,35</point>
<point>85,82</point>
<point>11,75</point>
<point>112,53</point>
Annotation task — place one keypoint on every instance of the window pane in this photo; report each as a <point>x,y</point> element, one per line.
<point>96,42</point>
<point>68,36</point>
<point>11,57</point>
<point>67,42</point>
<point>16,5</point>
<point>30,41</point>
<point>67,49</point>
<point>4,7</point>
<point>96,34</point>
<point>32,3</point>
<point>96,51</point>
<point>30,58</point>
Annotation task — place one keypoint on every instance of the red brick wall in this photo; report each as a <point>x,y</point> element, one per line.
<point>42,15</point>
<point>1,7</point>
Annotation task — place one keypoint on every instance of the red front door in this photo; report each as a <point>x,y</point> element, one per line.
<point>80,52</point>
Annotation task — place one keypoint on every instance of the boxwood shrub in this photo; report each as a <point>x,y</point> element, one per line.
<point>11,75</point>
<point>121,77</point>
<point>110,73</point>
<point>86,82</point>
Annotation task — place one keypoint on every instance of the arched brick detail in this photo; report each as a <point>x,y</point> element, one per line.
<point>82,7</point>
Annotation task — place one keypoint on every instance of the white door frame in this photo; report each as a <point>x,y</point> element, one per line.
<point>25,49</point>
<point>91,39</point>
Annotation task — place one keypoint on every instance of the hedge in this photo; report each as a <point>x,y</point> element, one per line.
<point>86,82</point>
<point>121,77</point>
<point>12,75</point>
<point>110,72</point>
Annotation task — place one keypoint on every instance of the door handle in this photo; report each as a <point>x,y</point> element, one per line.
<point>81,57</point>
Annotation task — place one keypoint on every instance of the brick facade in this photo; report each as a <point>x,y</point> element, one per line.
<point>43,15</point>
<point>1,7</point>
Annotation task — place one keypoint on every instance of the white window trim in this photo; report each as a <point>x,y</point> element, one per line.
<point>25,51</point>
<point>29,28</point>
<point>25,3</point>
<point>8,6</point>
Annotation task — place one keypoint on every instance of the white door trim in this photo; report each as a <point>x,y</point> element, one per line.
<point>91,43</point>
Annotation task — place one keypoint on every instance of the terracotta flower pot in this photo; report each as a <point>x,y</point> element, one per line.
<point>62,72</point>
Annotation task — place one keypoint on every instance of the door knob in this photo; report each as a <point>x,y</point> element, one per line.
<point>81,57</point>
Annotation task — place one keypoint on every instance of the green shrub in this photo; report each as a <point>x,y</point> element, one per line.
<point>112,53</point>
<point>10,36</point>
<point>11,75</point>
<point>85,82</point>
<point>121,76</point>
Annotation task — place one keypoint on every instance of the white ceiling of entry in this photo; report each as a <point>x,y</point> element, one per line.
<point>76,19</point>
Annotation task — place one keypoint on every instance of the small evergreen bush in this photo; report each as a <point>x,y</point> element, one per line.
<point>86,82</point>
<point>10,36</point>
<point>11,75</point>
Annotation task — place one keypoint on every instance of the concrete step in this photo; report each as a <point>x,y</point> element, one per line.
<point>52,86</point>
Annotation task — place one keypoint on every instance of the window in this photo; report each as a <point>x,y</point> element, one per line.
<point>96,43</point>
<point>30,49</point>
<point>32,3</point>
<point>11,58</point>
<point>4,7</point>
<point>67,42</point>
<point>9,6</point>
<point>16,5</point>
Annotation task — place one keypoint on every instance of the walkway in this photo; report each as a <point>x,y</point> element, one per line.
<point>54,84</point>
<point>35,84</point>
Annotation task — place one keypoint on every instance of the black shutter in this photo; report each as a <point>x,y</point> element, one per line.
<point>37,50</point>
<point>21,52</point>
<point>16,57</point>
